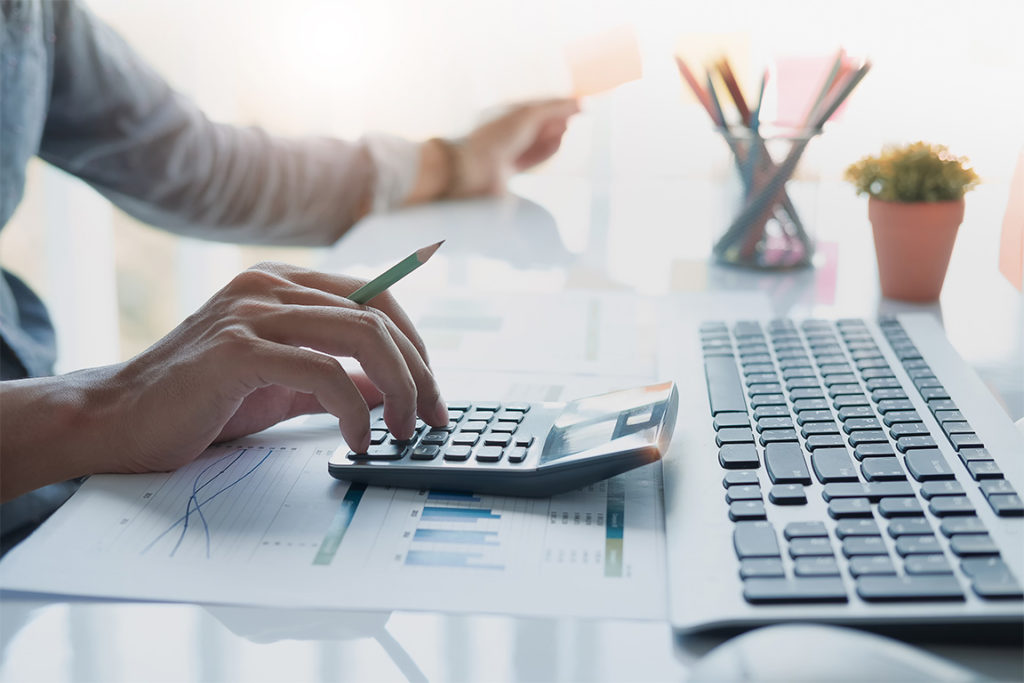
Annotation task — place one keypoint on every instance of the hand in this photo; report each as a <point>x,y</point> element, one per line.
<point>521,138</point>
<point>254,354</point>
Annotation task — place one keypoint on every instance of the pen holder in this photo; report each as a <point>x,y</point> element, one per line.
<point>767,233</point>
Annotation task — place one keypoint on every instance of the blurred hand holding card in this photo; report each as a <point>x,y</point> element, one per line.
<point>604,61</point>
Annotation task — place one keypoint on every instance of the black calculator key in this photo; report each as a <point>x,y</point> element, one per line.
<point>842,508</point>
<point>454,415</point>
<point>909,429</point>
<point>854,423</point>
<point>497,440</point>
<point>967,455</point>
<point>812,428</point>
<point>738,456</point>
<point>824,441</point>
<point>435,437</point>
<point>895,417</point>
<point>856,527</point>
<point>465,439</point>
<point>865,436</point>
<point>755,539</point>
<point>847,400</point>
<point>931,489</point>
<point>900,507</point>
<point>873,450</point>
<point>910,526</point>
<point>808,404</point>
<point>873,491</point>
<point>787,494</point>
<point>864,545</point>
<point>966,441</point>
<point>384,451</point>
<point>731,420</point>
<point>941,404</point>
<point>984,469</point>
<point>962,525</point>
<point>425,452</point>
<point>507,415</point>
<point>908,443</point>
<point>970,545</point>
<point>743,510</point>
<point>805,530</point>
<point>457,453</point>
<point>767,411</point>
<point>815,566</point>
<point>894,405</point>
<point>801,589</point>
<point>928,464</point>
<point>868,565</point>
<point>1007,504</point>
<point>378,436</point>
<point>991,578</point>
<point>504,428</point>
<point>743,492</point>
<point>459,407</point>
<point>518,407</point>
<point>487,406</point>
<point>481,415</point>
<point>927,564</point>
<point>734,435</point>
<point>725,390</point>
<point>805,416</point>
<point>774,423</point>
<point>882,469</point>
<point>957,427</point>
<point>739,478</point>
<point>833,464</point>
<point>473,426</point>
<point>770,436</point>
<point>925,544</point>
<point>810,547</point>
<point>524,442</point>
<point>785,463</point>
<point>762,400</point>
<point>945,506</point>
<point>922,587</point>
<point>517,454</point>
<point>489,453</point>
<point>761,567</point>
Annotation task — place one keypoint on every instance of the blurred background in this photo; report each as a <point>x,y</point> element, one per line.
<point>945,71</point>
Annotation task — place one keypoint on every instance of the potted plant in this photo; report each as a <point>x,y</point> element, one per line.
<point>915,205</point>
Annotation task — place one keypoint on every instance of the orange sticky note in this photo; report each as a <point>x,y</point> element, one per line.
<point>604,61</point>
<point>1011,243</point>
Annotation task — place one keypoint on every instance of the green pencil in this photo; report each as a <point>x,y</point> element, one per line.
<point>393,274</point>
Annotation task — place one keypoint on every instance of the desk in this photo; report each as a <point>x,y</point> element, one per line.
<point>555,234</point>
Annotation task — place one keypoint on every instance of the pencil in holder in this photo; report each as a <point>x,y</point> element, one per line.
<point>767,232</point>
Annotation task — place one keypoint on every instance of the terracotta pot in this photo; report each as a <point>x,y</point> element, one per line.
<point>913,243</point>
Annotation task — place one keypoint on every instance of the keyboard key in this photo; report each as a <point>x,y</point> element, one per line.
<point>833,380</point>
<point>805,530</point>
<point>465,439</point>
<point>844,389</point>
<point>805,394</point>
<point>497,440</point>
<point>928,464</point>
<point>962,525</point>
<point>855,423</point>
<point>507,415</point>
<point>847,400</point>
<point>504,428</point>
<point>899,507</point>
<point>384,451</point>
<point>751,369</point>
<point>814,428</point>
<point>929,393</point>
<point>967,455</point>
<point>785,463</point>
<point>873,450</point>
<point>518,407</point>
<point>524,442</point>
<point>969,545</point>
<point>801,589</point>
<point>944,506</point>
<point>763,388</point>
<point>895,405</point>
<point>777,436</point>
<point>856,527</point>
<point>743,510</point>
<point>883,469</point>
<point>937,587</point>
<point>767,400</point>
<point>815,566</point>
<point>1007,504</point>
<point>966,441</point>
<point>725,391</point>
<point>833,465</point>
<point>883,383</point>
<point>941,404</point>
<point>476,426</point>
<point>849,507</point>
<point>824,441</point>
<point>740,456</point>
<point>873,491</point>
<point>457,453</point>
<point>876,373</point>
<point>729,435</point>
<point>489,453</point>
<point>487,407</point>
<point>909,429</point>
<point>808,547</point>
<point>868,436</point>
<point>787,494</point>
<point>864,545</point>
<point>774,423</point>
<point>425,452</point>
<point>518,454</point>
<point>855,412</point>
<point>810,404</point>
<point>895,417</point>
<point>761,567</point>
<point>436,437</point>
<point>957,427</point>
<point>771,411</point>
<point>931,489</point>
<point>984,469</point>
<point>908,443</point>
<point>912,526</point>
<point>991,578</point>
<point>755,539</point>
<point>804,417</point>
<point>996,486</point>
<point>871,565</point>
<point>743,492</point>
<point>918,545</point>
<point>731,420</point>
<point>927,564</point>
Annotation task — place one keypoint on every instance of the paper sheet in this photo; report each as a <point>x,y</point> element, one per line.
<point>1011,242</point>
<point>604,61</point>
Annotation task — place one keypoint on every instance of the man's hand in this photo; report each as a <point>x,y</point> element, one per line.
<point>482,163</point>
<point>260,351</point>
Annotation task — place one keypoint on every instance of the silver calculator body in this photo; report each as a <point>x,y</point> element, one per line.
<point>523,449</point>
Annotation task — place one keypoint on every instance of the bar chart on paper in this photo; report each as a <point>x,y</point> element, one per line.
<point>259,522</point>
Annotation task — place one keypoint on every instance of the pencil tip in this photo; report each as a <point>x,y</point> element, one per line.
<point>426,252</point>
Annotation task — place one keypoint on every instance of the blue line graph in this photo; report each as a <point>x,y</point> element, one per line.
<point>198,505</point>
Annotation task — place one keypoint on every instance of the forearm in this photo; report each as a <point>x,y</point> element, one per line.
<point>51,430</point>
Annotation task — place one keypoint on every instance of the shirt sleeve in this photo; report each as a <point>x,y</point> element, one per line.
<point>115,123</point>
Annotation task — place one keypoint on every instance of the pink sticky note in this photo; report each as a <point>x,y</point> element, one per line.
<point>604,61</point>
<point>1011,243</point>
<point>798,80</point>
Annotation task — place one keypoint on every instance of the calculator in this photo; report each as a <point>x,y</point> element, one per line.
<point>517,448</point>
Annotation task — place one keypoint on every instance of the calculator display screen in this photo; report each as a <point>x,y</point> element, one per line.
<point>592,422</point>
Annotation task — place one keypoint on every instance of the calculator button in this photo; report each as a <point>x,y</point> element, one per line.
<point>518,454</point>
<point>378,436</point>
<point>489,454</point>
<point>524,442</point>
<point>436,437</point>
<point>425,452</point>
<point>460,407</point>
<point>457,453</point>
<point>504,428</point>
<point>489,407</point>
<point>455,415</point>
<point>387,451</point>
<point>510,416</point>
<point>500,440</point>
<point>518,407</point>
<point>474,426</point>
<point>465,439</point>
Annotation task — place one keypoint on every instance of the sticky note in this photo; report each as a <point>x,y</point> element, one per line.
<point>1011,243</point>
<point>604,61</point>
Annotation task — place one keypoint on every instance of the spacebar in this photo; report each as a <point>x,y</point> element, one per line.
<point>725,391</point>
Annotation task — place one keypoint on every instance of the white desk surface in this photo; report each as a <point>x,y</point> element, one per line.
<point>649,236</point>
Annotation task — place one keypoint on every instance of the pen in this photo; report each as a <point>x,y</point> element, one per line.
<point>393,274</point>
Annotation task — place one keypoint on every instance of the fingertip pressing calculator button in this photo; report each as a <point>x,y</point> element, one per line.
<point>489,454</point>
<point>425,452</point>
<point>457,453</point>
<point>436,437</point>
<point>518,454</point>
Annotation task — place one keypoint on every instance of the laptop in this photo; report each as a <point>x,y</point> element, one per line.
<point>853,472</point>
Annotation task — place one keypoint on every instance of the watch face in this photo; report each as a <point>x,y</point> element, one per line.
<point>595,421</point>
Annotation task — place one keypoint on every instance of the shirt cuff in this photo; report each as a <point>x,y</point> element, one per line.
<point>396,161</point>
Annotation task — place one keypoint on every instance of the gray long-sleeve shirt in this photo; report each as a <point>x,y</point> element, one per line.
<point>75,94</point>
